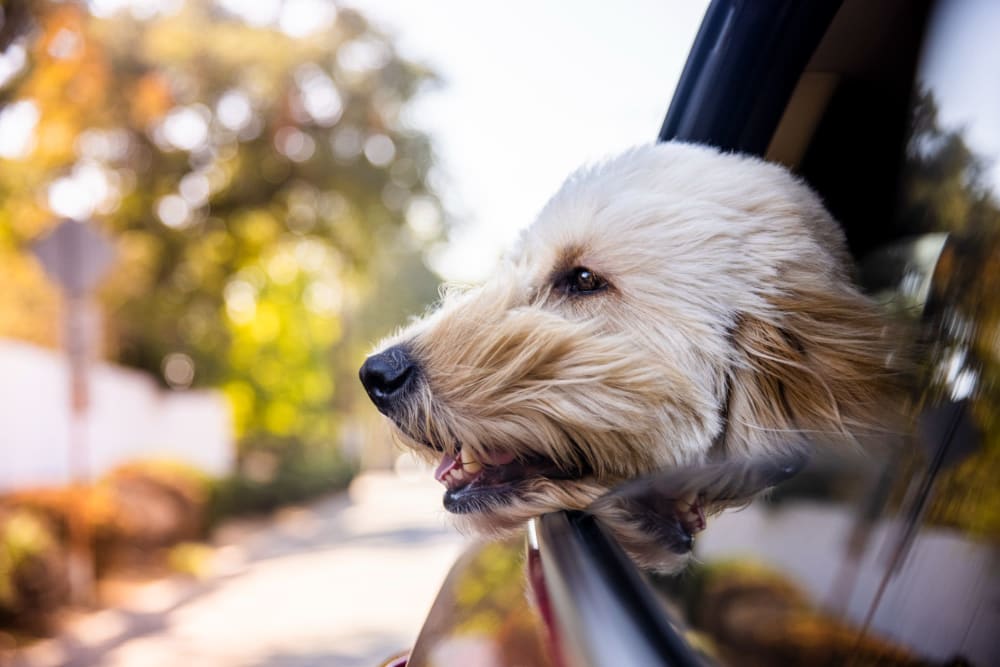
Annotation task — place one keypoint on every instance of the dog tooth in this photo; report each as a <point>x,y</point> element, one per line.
<point>469,463</point>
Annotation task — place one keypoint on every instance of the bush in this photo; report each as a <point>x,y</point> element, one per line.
<point>32,570</point>
<point>156,504</point>
<point>752,615</point>
<point>273,472</point>
<point>128,516</point>
<point>142,514</point>
<point>86,508</point>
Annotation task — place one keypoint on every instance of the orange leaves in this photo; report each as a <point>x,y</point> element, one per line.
<point>151,99</point>
<point>69,82</point>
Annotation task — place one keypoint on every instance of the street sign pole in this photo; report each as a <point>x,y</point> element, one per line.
<point>76,356</point>
<point>76,257</point>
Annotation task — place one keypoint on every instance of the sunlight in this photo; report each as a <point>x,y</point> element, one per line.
<point>186,128</point>
<point>79,194</point>
<point>174,211</point>
<point>233,110</point>
<point>320,98</point>
<point>12,61</point>
<point>17,129</point>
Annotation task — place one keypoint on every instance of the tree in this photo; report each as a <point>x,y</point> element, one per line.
<point>255,183</point>
<point>945,189</point>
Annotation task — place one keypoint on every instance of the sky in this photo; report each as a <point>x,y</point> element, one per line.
<point>531,90</point>
<point>965,84</point>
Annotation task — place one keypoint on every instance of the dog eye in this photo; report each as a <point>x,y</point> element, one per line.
<point>582,280</point>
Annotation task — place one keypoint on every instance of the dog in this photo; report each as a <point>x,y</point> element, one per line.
<point>671,307</point>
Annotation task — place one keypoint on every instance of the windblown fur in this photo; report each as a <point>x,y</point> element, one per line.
<point>729,328</point>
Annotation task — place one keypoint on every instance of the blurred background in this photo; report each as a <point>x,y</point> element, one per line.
<point>210,211</point>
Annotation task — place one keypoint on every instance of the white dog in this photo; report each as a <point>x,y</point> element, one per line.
<point>672,306</point>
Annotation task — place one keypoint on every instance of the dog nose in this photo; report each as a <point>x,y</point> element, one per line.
<point>386,376</point>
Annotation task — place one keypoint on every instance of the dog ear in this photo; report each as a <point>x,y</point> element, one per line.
<point>818,366</point>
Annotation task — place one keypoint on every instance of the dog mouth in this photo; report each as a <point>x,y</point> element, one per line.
<point>474,485</point>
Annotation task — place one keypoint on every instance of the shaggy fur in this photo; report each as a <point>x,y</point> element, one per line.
<point>728,329</point>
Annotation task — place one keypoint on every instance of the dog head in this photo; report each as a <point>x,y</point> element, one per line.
<point>671,306</point>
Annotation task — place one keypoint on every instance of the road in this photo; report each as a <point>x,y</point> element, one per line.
<point>345,581</point>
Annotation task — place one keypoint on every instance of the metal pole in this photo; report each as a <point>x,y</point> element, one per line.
<point>80,566</point>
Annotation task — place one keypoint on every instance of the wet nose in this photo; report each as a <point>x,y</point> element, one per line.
<point>386,376</point>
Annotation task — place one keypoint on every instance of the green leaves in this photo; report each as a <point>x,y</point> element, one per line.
<point>255,183</point>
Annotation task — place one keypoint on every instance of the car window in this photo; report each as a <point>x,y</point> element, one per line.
<point>896,123</point>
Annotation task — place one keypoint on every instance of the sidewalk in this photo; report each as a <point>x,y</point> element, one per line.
<point>346,581</point>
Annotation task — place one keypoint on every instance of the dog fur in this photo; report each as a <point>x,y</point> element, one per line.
<point>729,329</point>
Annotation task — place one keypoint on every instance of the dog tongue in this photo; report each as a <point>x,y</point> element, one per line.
<point>448,463</point>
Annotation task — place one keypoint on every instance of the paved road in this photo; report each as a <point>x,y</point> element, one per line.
<point>343,582</point>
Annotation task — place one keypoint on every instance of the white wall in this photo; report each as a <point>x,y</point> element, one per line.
<point>129,418</point>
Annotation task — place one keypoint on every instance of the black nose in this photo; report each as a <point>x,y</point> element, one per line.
<point>387,375</point>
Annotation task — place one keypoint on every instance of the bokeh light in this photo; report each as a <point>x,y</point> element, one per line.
<point>178,370</point>
<point>17,126</point>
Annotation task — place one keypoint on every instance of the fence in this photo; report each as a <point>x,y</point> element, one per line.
<point>129,418</point>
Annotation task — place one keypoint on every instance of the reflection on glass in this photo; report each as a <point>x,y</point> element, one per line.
<point>879,562</point>
<point>950,185</point>
<point>482,615</point>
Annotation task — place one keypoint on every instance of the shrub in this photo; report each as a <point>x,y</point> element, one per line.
<point>141,514</point>
<point>85,508</point>
<point>274,472</point>
<point>156,504</point>
<point>32,570</point>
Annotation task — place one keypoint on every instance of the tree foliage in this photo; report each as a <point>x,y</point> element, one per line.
<point>258,187</point>
<point>946,189</point>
